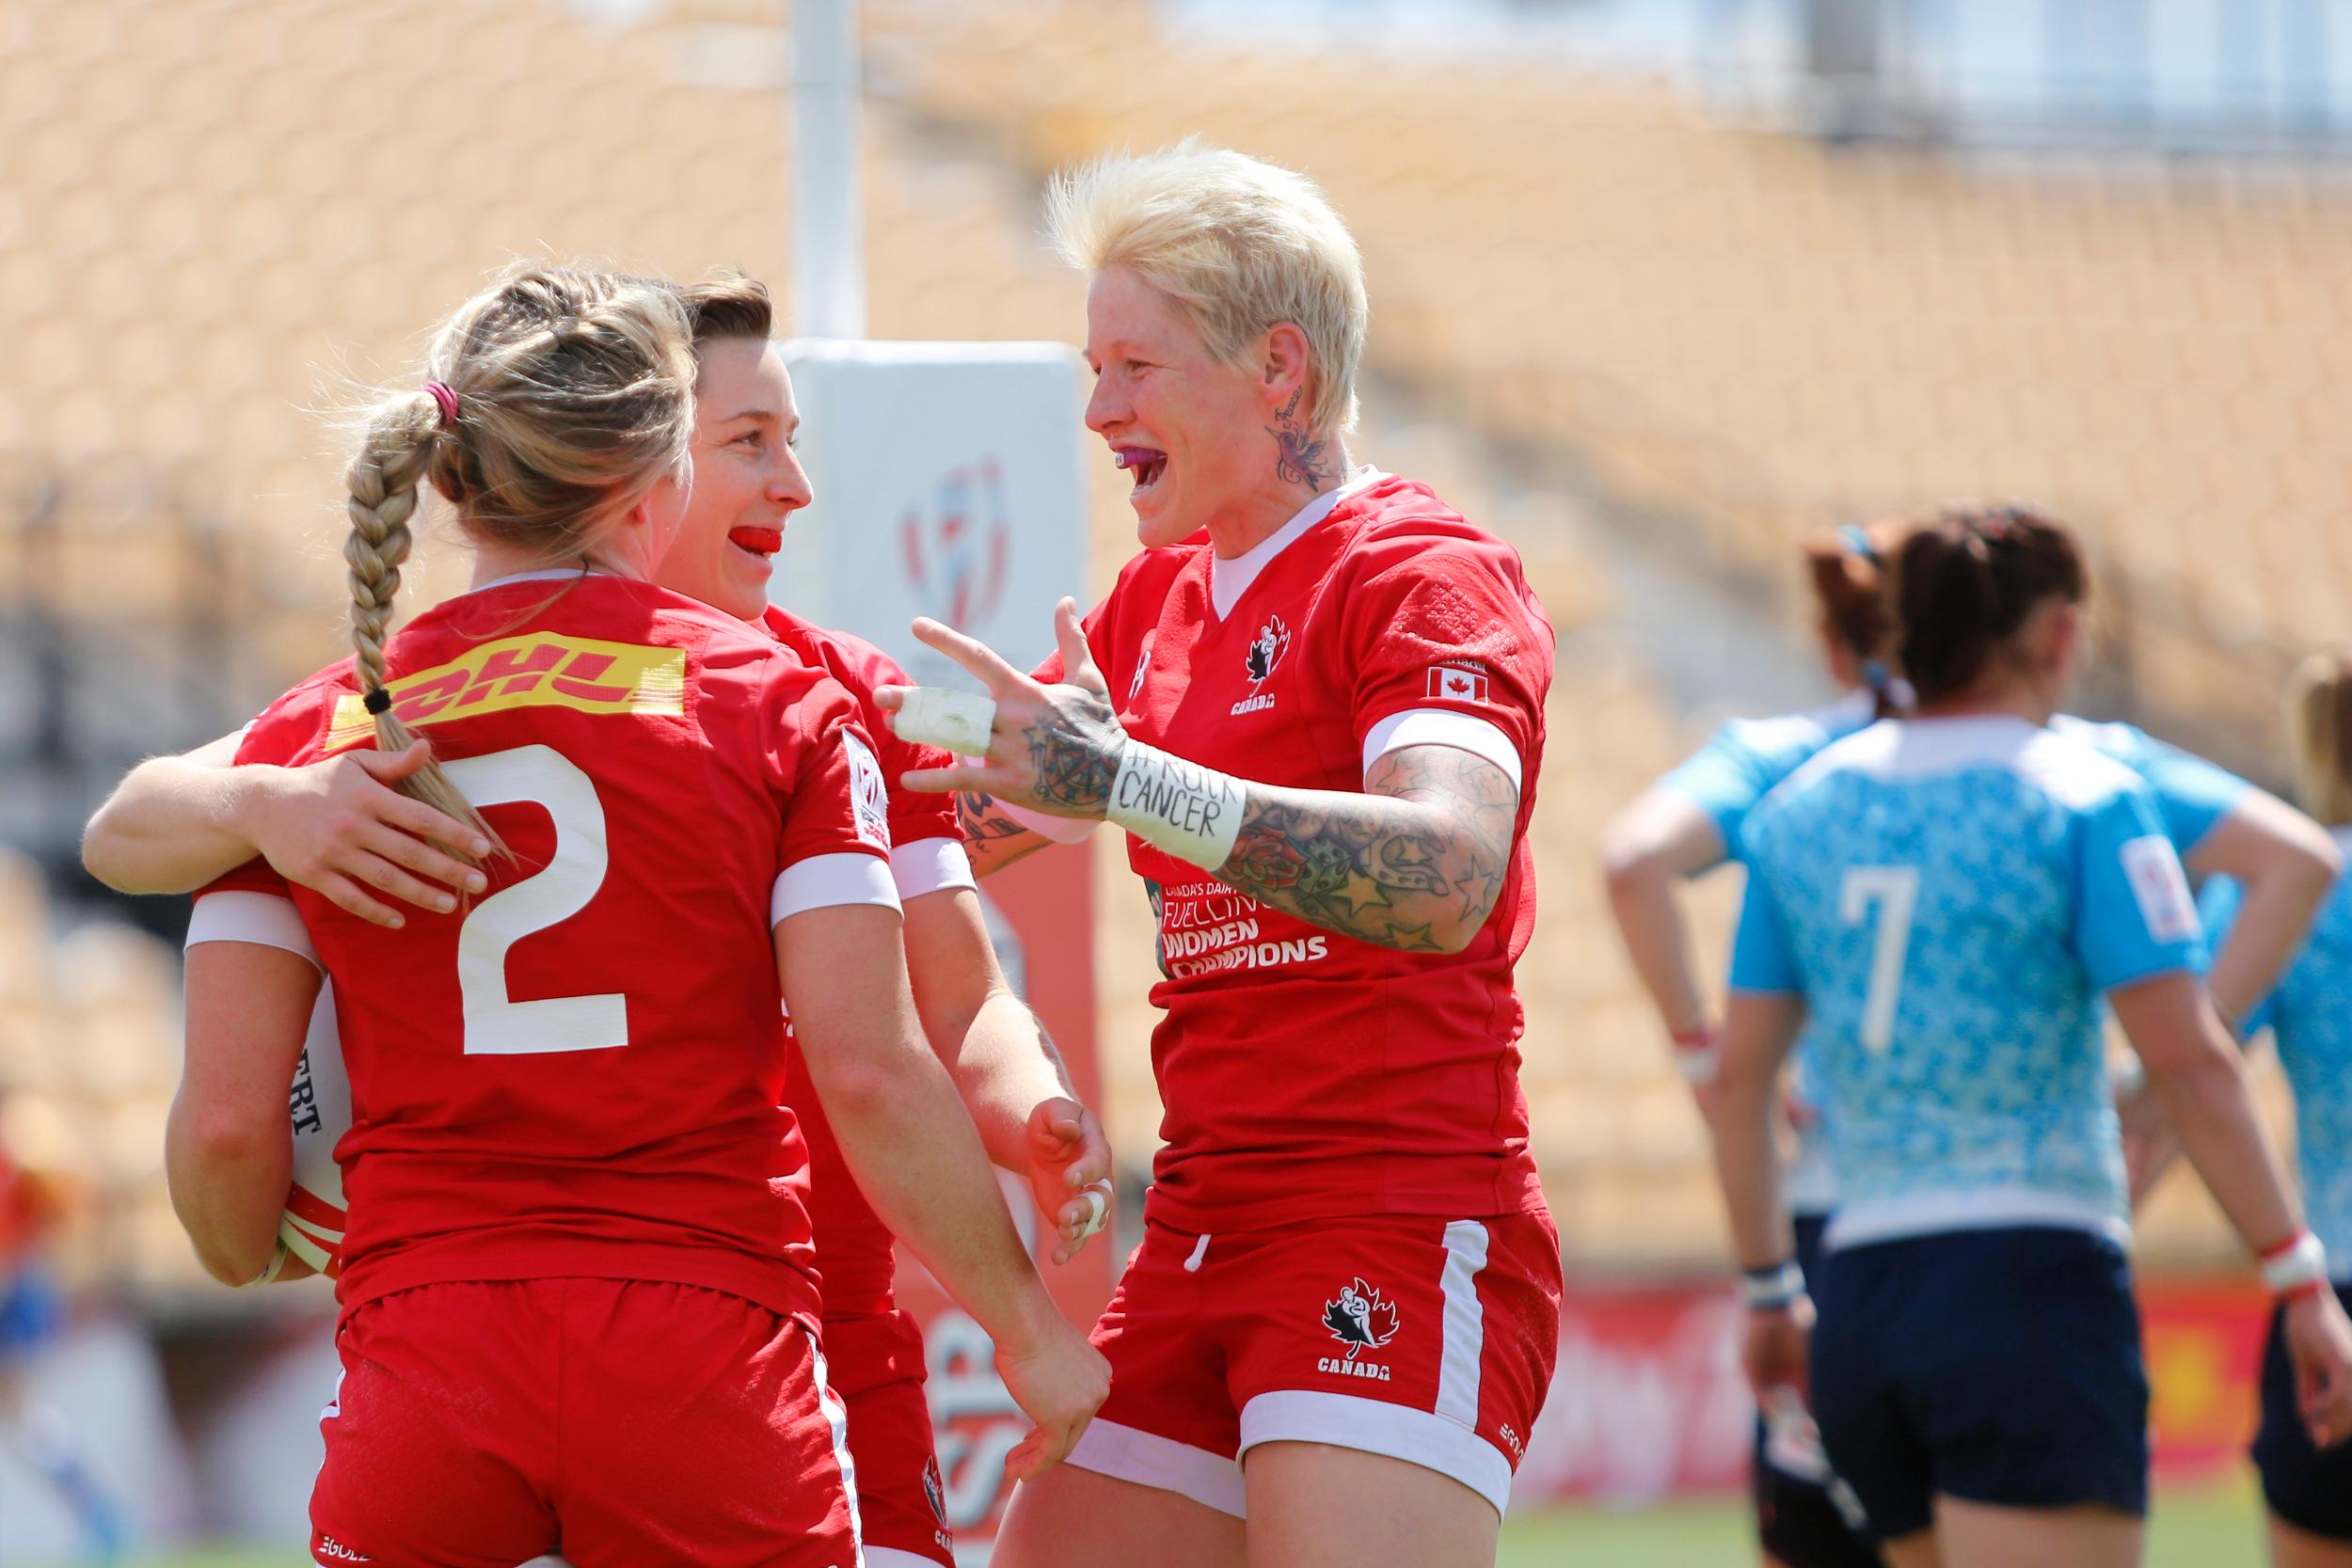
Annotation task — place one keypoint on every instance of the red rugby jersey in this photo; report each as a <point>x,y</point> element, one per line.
<point>1305,1074</point>
<point>581,1072</point>
<point>853,1247</point>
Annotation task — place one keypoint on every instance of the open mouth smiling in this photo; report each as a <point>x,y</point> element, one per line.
<point>1146,464</point>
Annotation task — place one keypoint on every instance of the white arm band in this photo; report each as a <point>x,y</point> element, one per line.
<point>263,919</point>
<point>1191,811</point>
<point>2303,1261</point>
<point>924,866</point>
<point>957,721</point>
<point>824,882</point>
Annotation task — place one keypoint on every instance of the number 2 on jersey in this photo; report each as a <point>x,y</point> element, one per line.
<point>1895,889</point>
<point>494,1026</point>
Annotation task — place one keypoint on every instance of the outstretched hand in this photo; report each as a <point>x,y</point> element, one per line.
<point>1053,748</point>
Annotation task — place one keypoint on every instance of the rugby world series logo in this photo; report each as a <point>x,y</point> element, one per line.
<point>958,546</point>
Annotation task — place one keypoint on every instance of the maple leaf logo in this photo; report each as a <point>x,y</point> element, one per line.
<point>1274,639</point>
<point>1359,1317</point>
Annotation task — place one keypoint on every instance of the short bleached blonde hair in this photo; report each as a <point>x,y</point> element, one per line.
<point>1238,245</point>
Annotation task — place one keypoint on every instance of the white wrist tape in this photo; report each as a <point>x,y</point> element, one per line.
<point>1769,1289</point>
<point>957,721</point>
<point>270,1271</point>
<point>2300,1262</point>
<point>1193,813</point>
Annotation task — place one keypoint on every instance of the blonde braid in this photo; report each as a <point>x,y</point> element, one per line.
<point>573,398</point>
<point>383,480</point>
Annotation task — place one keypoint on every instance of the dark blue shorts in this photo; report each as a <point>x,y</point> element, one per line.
<point>1999,1367</point>
<point>1798,1520</point>
<point>2310,1488</point>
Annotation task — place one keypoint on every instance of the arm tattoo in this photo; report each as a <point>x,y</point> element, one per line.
<point>1075,750</point>
<point>981,818</point>
<point>1424,851</point>
<point>1302,462</point>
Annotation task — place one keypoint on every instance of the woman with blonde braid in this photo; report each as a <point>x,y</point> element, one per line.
<point>578,1303</point>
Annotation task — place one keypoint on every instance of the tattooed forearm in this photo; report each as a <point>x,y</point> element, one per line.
<point>1075,750</point>
<point>982,819</point>
<point>992,839</point>
<point>1415,863</point>
<point>1301,461</point>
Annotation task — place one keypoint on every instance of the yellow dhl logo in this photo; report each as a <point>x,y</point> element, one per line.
<point>536,670</point>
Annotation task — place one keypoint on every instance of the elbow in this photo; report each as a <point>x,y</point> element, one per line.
<point>1627,863</point>
<point>103,854</point>
<point>2316,866</point>
<point>857,1088</point>
<point>220,1138</point>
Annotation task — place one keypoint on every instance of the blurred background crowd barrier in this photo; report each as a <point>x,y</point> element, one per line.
<point>1657,287</point>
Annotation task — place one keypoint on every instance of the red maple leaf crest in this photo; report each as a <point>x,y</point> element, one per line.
<point>1359,1317</point>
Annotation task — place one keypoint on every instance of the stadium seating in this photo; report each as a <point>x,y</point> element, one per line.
<point>1665,321</point>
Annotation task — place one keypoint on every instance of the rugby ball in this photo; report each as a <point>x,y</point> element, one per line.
<point>319,1104</point>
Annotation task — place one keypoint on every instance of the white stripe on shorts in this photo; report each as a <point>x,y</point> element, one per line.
<point>1148,1459</point>
<point>1465,1323</point>
<point>837,1416</point>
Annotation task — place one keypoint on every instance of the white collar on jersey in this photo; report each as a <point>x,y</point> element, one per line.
<point>544,573</point>
<point>1229,580</point>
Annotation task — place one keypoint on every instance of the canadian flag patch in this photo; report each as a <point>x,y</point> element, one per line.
<point>1457,685</point>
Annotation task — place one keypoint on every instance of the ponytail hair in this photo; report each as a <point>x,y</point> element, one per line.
<point>1964,584</point>
<point>2319,734</point>
<point>556,400</point>
<point>1848,569</point>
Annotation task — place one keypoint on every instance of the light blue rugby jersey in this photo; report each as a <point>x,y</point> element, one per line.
<point>2192,795</point>
<point>1952,896</point>
<point>2309,1015</point>
<point>1740,763</point>
<point>1747,758</point>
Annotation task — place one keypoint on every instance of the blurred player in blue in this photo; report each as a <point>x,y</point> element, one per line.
<point>32,1317</point>
<point>2309,1016</point>
<point>1689,822</point>
<point>1948,895</point>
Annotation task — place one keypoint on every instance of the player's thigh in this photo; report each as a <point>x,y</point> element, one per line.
<point>1074,1518</point>
<point>1985,1535</point>
<point>2293,1547</point>
<point>1312,1505</point>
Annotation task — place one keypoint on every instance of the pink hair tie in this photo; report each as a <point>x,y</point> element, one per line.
<point>448,400</point>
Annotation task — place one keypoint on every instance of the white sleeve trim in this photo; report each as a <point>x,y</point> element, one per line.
<point>263,919</point>
<point>822,881</point>
<point>1442,726</point>
<point>931,865</point>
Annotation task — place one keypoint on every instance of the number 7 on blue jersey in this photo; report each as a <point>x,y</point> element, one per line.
<point>1895,889</point>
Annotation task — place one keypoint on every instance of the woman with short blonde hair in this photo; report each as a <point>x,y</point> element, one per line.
<point>1320,730</point>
